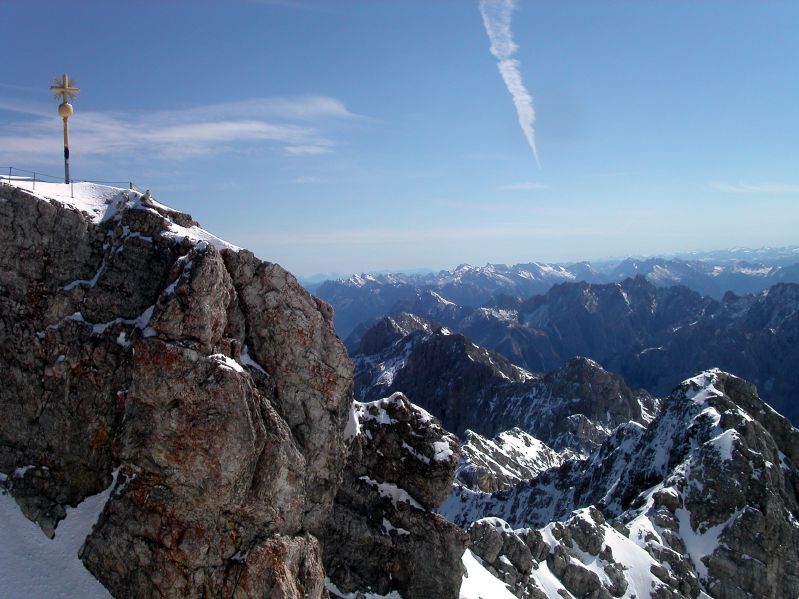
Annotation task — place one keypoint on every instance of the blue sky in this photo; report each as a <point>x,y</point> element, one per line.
<point>352,136</point>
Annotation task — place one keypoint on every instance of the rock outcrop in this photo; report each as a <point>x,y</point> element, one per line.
<point>505,460</point>
<point>382,536</point>
<point>706,498</point>
<point>134,343</point>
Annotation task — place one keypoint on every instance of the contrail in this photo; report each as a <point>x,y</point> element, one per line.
<point>496,19</point>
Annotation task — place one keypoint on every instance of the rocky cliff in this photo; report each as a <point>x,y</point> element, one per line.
<point>133,342</point>
<point>139,351</point>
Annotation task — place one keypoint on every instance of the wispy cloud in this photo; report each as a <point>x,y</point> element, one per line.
<point>497,21</point>
<point>302,108</point>
<point>385,237</point>
<point>308,179</point>
<point>522,186</point>
<point>307,150</point>
<point>763,188</point>
<point>21,107</point>
<point>295,124</point>
<point>15,87</point>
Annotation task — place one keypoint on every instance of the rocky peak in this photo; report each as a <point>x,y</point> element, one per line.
<point>440,371</point>
<point>776,307</point>
<point>708,490</point>
<point>600,395</point>
<point>389,330</point>
<point>383,536</point>
<point>504,460</point>
<point>206,385</point>
<point>414,450</point>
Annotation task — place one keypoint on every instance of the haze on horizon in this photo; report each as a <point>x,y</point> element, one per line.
<point>362,136</point>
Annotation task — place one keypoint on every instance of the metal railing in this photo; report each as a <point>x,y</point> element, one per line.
<point>12,174</point>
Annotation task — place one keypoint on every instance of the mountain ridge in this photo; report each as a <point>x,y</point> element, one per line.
<point>708,490</point>
<point>366,296</point>
<point>650,335</point>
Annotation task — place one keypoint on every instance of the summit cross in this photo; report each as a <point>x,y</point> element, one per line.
<point>65,90</point>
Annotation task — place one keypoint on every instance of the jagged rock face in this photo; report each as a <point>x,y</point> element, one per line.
<point>598,402</point>
<point>387,331</point>
<point>507,459</point>
<point>583,556</point>
<point>439,371</point>
<point>382,536</point>
<point>509,555</point>
<point>708,490</point>
<point>471,388</point>
<point>766,325</point>
<point>210,381</point>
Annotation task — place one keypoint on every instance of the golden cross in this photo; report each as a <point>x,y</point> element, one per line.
<point>64,88</point>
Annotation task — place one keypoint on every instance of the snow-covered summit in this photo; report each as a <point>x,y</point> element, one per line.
<point>104,203</point>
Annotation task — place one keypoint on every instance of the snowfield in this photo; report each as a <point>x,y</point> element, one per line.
<point>35,567</point>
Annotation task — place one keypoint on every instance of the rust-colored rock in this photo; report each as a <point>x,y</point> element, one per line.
<point>210,381</point>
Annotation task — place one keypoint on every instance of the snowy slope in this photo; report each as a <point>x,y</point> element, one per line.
<point>479,583</point>
<point>33,566</point>
<point>509,458</point>
<point>103,203</point>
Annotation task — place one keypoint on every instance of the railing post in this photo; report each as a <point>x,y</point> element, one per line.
<point>72,188</point>
<point>34,180</point>
<point>9,174</point>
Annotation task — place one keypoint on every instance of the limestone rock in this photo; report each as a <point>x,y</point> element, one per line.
<point>131,341</point>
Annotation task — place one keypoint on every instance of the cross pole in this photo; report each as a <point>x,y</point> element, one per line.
<point>65,90</point>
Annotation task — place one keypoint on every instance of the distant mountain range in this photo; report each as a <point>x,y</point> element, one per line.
<point>650,335</point>
<point>360,298</point>
<point>571,484</point>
